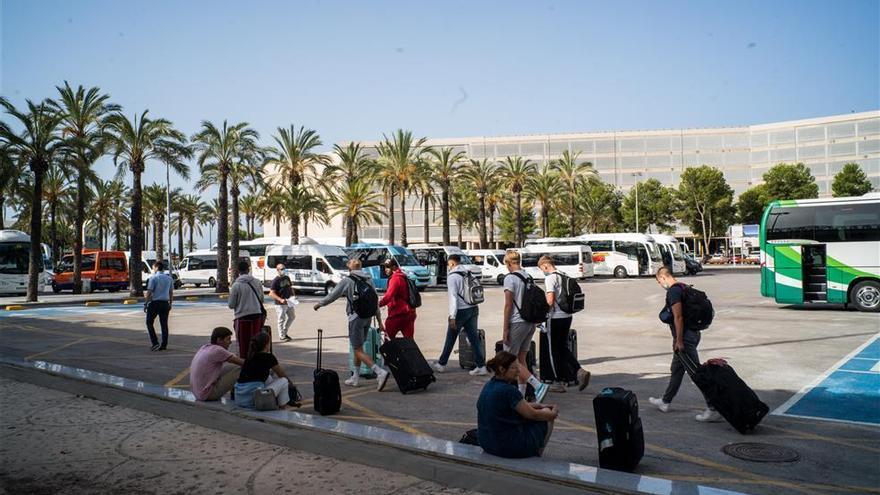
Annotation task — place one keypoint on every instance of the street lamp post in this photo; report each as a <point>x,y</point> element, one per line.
<point>637,175</point>
<point>168,212</point>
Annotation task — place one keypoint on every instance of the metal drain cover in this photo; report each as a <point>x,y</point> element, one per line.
<point>760,452</point>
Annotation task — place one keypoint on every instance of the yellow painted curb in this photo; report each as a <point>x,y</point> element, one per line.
<point>223,296</point>
<point>15,307</point>
<point>192,298</point>
<point>92,303</point>
<point>130,301</point>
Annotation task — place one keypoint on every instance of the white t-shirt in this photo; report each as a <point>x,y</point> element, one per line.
<point>514,285</point>
<point>553,283</point>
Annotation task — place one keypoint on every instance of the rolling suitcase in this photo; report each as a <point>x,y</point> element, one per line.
<point>328,395</point>
<point>371,348</point>
<point>727,393</point>
<point>546,366</point>
<point>531,361</point>
<point>406,362</point>
<point>466,352</point>
<point>619,430</point>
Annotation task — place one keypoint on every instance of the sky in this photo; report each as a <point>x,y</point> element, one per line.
<point>357,70</point>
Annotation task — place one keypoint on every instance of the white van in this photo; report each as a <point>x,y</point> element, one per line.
<point>200,267</point>
<point>147,260</point>
<point>311,267</point>
<point>574,260</point>
<point>671,251</point>
<point>491,264</point>
<point>433,258</point>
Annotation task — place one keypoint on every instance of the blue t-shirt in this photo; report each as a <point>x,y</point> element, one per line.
<point>159,285</point>
<point>498,423</point>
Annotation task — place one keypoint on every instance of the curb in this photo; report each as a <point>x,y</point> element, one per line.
<point>91,304</point>
<point>15,307</point>
<point>116,300</point>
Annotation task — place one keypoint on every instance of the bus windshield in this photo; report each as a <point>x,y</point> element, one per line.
<point>406,260</point>
<point>337,261</point>
<point>14,258</point>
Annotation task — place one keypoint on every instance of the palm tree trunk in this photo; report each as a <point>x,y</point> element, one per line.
<point>460,241</point>
<point>159,236</point>
<point>35,263</point>
<point>349,230</point>
<point>101,235</point>
<point>492,226</point>
<point>481,219</point>
<point>571,226</point>
<point>426,231</point>
<point>53,232</point>
<point>294,229</point>
<point>305,227</point>
<point>118,229</point>
<point>223,237</point>
<point>277,225</point>
<point>2,210</point>
<point>191,228</point>
<point>403,239</point>
<point>137,241</point>
<point>545,221</point>
<point>444,211</point>
<point>78,222</point>
<point>519,222</point>
<point>233,251</point>
<point>391,217</point>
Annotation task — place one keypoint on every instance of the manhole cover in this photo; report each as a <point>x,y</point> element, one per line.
<point>760,452</point>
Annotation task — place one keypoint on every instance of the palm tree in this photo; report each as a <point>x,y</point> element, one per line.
<point>515,172</point>
<point>121,222</point>
<point>82,112</point>
<point>154,211</point>
<point>272,205</point>
<point>423,185</point>
<point>36,145</point>
<point>209,216</point>
<point>134,143</point>
<point>445,167</point>
<point>9,173</point>
<point>101,208</point>
<point>399,157</point>
<point>219,150</point>
<point>178,222</point>
<point>463,209</point>
<point>248,204</point>
<point>354,166</point>
<point>542,187</point>
<point>358,204</point>
<point>56,192</point>
<point>482,175</point>
<point>302,201</point>
<point>495,197</point>
<point>294,160</point>
<point>571,174</point>
<point>189,208</point>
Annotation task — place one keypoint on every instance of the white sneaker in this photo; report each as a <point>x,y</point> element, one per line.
<point>481,371</point>
<point>662,406</point>
<point>352,381</point>
<point>709,416</point>
<point>439,368</point>
<point>381,379</point>
<point>557,388</point>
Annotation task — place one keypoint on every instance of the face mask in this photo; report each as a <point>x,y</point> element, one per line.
<point>665,285</point>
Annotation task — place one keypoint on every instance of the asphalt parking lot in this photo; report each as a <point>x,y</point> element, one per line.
<point>816,367</point>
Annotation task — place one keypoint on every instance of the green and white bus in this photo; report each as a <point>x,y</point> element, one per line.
<point>822,251</point>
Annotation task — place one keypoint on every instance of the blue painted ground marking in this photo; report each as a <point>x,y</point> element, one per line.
<point>848,392</point>
<point>104,309</point>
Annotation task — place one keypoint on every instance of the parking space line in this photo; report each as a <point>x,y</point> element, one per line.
<point>180,376</point>
<point>812,436</point>
<point>50,351</point>
<point>381,417</point>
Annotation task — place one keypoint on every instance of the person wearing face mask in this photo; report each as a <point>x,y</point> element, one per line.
<point>281,291</point>
<point>684,341</point>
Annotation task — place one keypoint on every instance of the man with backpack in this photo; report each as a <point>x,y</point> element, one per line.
<point>565,297</point>
<point>399,299</point>
<point>687,312</point>
<point>246,300</point>
<point>361,307</point>
<point>465,293</point>
<point>524,307</point>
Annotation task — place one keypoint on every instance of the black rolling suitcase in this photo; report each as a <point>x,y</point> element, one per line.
<point>328,395</point>
<point>466,352</point>
<point>727,393</point>
<point>531,361</point>
<point>407,364</point>
<point>619,429</point>
<point>545,364</point>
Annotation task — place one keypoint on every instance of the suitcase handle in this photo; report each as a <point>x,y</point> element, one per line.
<point>688,363</point>
<point>320,346</point>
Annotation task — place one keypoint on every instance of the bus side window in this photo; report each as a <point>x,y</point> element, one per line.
<point>323,267</point>
<point>492,260</point>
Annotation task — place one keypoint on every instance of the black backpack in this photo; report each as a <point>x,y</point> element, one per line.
<point>534,307</point>
<point>696,307</point>
<point>572,298</point>
<point>365,302</point>
<point>415,299</point>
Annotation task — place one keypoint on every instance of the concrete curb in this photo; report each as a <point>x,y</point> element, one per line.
<point>110,300</point>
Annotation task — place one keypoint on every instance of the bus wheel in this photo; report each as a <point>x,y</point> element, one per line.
<point>620,272</point>
<point>866,296</point>
<point>212,282</point>
<point>329,288</point>
<point>500,279</point>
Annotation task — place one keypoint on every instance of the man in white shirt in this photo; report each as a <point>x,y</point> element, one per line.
<point>462,317</point>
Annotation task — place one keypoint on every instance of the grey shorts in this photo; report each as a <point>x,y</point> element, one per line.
<point>357,331</point>
<point>520,336</point>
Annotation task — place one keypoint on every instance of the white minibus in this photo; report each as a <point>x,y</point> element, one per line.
<point>200,267</point>
<point>671,251</point>
<point>311,267</point>
<point>257,249</point>
<point>491,264</point>
<point>15,252</point>
<point>433,257</point>
<point>574,260</point>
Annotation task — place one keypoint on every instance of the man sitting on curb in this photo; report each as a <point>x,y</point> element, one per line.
<point>206,377</point>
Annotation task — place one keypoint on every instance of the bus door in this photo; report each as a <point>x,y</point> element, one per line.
<point>788,276</point>
<point>815,275</point>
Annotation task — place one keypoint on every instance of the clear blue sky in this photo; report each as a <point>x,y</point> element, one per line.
<point>355,70</point>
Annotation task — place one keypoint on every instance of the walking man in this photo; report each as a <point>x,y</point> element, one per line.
<point>160,293</point>
<point>361,299</point>
<point>462,317</point>
<point>281,291</point>
<point>246,300</point>
<point>401,316</point>
<point>684,341</point>
<point>518,333</point>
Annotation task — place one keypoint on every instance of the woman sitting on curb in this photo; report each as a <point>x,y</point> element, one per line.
<point>255,374</point>
<point>507,425</point>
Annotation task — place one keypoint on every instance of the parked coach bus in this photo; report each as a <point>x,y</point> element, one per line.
<point>822,251</point>
<point>574,260</point>
<point>621,255</point>
<point>671,251</point>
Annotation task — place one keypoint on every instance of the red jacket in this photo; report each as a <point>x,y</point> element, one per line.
<point>397,295</point>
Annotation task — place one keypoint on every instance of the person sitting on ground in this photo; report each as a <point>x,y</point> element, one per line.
<point>401,316</point>
<point>206,377</point>
<point>256,374</point>
<point>507,425</point>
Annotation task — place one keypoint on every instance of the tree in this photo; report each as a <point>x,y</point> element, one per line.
<point>656,206</point>
<point>482,175</point>
<point>400,157</point>
<point>423,184</point>
<point>599,203</point>
<point>83,112</point>
<point>348,178</point>
<point>56,193</point>
<point>515,173</point>
<point>303,202</point>
<point>272,204</point>
<point>850,181</point>
<point>751,203</point>
<point>542,187</point>
<point>571,174</point>
<point>295,158</point>
<point>36,145</point>
<point>155,211</point>
<point>707,202</point>
<point>445,167</point>
<point>101,209</point>
<point>9,174</point>
<point>509,223</point>
<point>248,206</point>
<point>220,148</point>
<point>133,144</point>
<point>358,204</point>
<point>463,207</point>
<point>790,181</point>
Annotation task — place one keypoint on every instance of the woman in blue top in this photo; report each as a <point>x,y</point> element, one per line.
<point>507,425</point>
